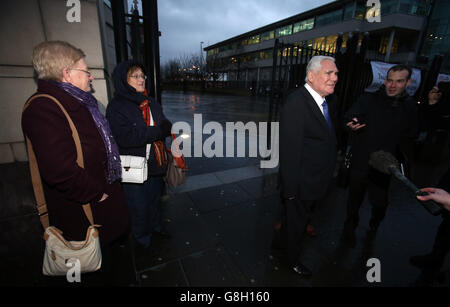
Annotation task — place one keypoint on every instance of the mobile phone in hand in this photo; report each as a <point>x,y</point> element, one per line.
<point>360,118</point>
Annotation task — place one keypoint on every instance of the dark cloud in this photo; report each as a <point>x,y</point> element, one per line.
<point>186,23</point>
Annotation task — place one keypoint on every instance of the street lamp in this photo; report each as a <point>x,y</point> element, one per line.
<point>201,55</point>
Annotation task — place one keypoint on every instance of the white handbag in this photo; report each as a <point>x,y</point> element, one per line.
<point>134,168</point>
<point>61,254</point>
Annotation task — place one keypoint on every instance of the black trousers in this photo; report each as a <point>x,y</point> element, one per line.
<point>295,216</point>
<point>442,241</point>
<point>377,186</point>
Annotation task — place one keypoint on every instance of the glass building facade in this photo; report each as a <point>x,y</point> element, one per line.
<point>437,38</point>
<point>403,42</point>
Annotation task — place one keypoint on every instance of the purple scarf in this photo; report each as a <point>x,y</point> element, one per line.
<point>112,151</point>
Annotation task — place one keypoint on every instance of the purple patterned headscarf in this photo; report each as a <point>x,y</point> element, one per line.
<point>112,151</point>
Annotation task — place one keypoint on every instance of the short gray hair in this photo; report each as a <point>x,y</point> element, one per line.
<point>51,57</point>
<point>315,64</point>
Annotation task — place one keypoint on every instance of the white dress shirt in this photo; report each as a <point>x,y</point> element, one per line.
<point>317,98</point>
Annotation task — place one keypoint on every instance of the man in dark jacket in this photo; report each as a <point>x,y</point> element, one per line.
<point>385,120</point>
<point>307,153</point>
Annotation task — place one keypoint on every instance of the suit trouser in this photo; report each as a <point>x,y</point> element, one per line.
<point>377,186</point>
<point>294,219</point>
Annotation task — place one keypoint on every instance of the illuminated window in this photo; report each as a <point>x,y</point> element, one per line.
<point>344,40</point>
<point>384,44</point>
<point>266,54</point>
<point>304,25</point>
<point>330,45</point>
<point>253,40</point>
<point>319,43</point>
<point>287,30</point>
<point>267,36</point>
<point>285,52</point>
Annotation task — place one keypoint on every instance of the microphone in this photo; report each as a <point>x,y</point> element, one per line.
<point>386,163</point>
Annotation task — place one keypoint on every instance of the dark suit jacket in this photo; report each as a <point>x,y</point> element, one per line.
<point>307,147</point>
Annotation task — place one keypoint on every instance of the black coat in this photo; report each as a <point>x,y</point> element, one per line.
<point>66,185</point>
<point>391,126</point>
<point>435,117</point>
<point>307,147</point>
<point>127,123</point>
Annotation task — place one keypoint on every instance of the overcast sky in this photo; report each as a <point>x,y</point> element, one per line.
<point>186,23</point>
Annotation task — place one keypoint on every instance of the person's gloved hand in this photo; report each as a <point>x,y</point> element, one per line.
<point>166,128</point>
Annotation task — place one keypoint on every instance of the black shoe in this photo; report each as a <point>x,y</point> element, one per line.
<point>301,270</point>
<point>429,261</point>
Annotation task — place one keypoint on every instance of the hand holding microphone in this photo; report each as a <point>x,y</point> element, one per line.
<point>438,195</point>
<point>387,164</point>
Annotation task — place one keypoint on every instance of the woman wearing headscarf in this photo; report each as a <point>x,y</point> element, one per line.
<point>63,74</point>
<point>131,114</point>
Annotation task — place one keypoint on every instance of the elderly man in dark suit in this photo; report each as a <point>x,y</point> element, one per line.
<point>307,153</point>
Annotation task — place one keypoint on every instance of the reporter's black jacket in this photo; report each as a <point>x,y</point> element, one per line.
<point>391,126</point>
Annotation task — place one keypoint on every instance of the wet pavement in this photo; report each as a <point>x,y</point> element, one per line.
<point>222,220</point>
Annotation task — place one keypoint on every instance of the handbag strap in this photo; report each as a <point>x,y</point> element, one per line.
<point>178,156</point>
<point>147,152</point>
<point>34,169</point>
<point>149,146</point>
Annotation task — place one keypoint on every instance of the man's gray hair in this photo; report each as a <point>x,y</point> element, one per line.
<point>315,64</point>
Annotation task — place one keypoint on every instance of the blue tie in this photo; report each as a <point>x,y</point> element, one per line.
<point>327,114</point>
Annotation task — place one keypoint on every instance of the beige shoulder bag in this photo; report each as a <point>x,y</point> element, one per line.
<point>61,255</point>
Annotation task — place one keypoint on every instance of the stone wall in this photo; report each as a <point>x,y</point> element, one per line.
<point>24,24</point>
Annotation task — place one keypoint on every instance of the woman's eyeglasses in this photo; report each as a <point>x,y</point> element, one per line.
<point>85,71</point>
<point>139,77</point>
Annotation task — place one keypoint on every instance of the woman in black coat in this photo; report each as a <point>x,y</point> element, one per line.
<point>130,114</point>
<point>63,74</point>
